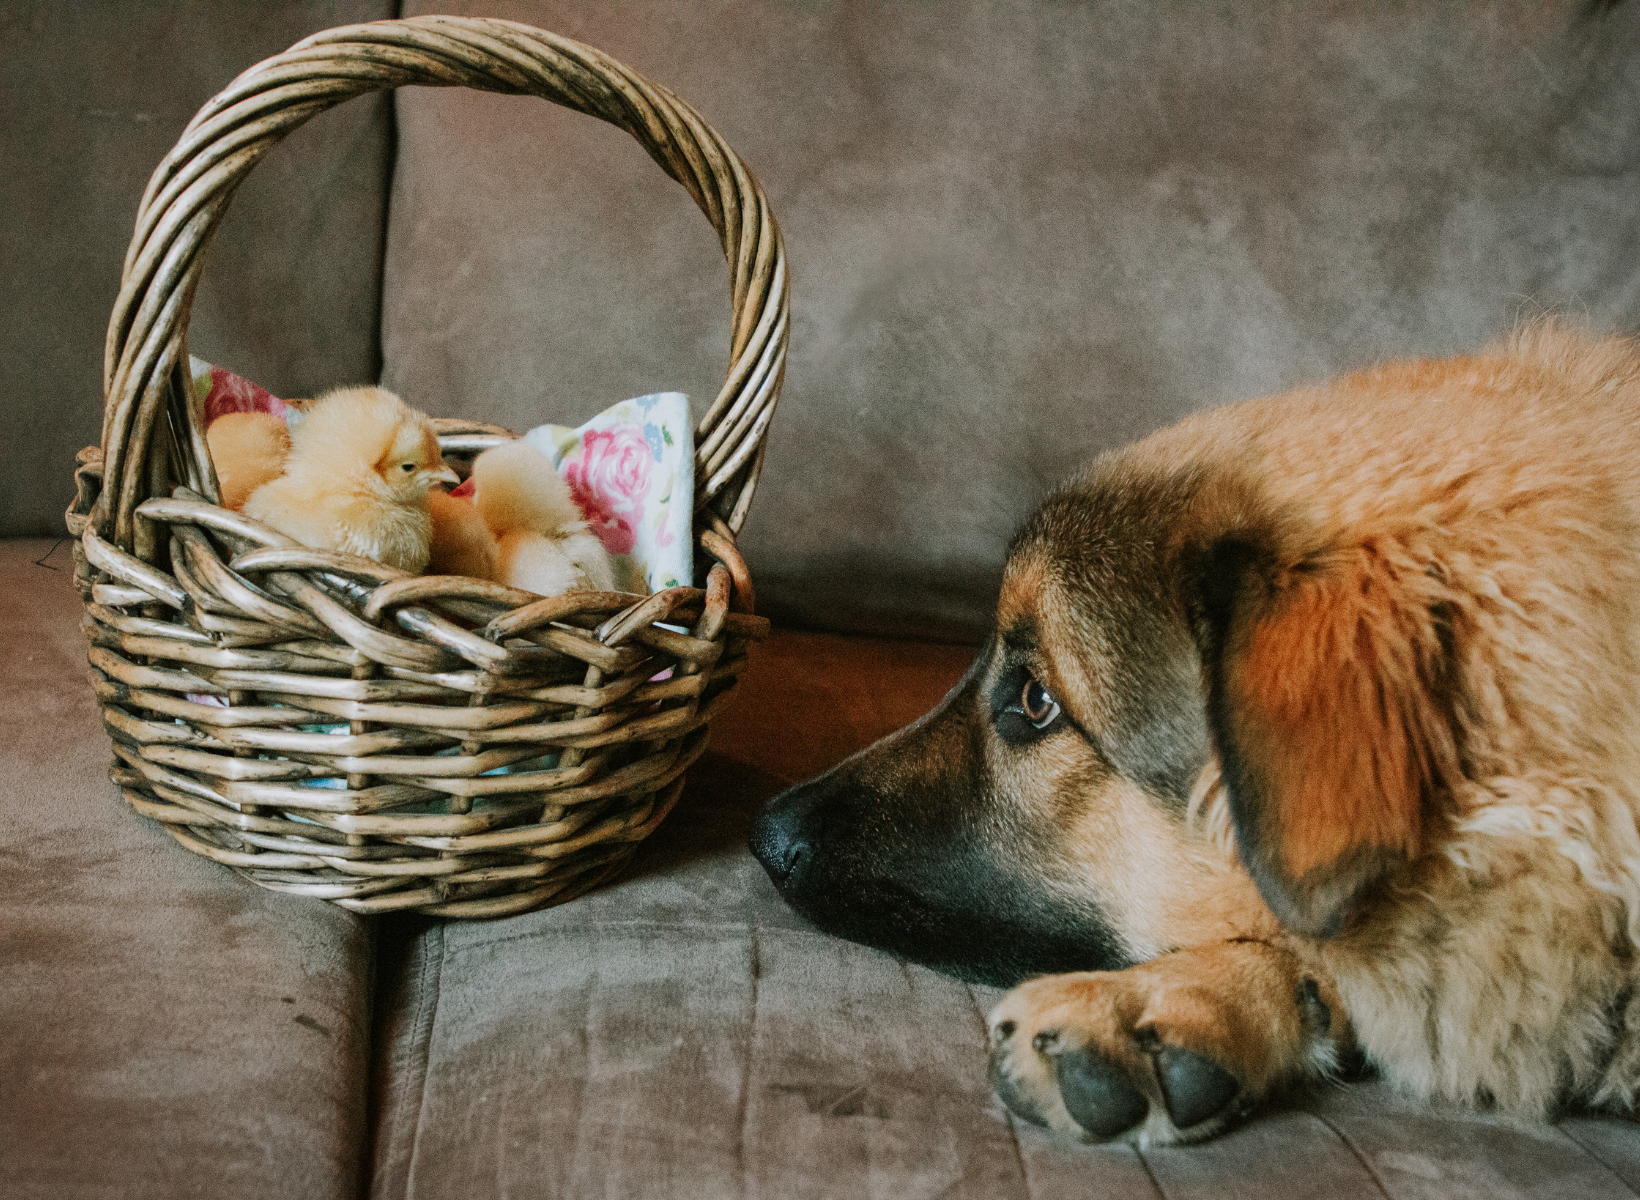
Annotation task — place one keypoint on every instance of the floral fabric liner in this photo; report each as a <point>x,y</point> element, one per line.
<point>224,392</point>
<point>631,468</point>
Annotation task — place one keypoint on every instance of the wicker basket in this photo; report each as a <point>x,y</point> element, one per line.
<point>501,751</point>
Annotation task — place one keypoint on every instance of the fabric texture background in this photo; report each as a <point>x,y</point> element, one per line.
<point>95,94</point>
<point>1019,234</point>
<point>167,1030</point>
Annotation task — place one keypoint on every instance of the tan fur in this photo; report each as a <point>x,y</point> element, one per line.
<point>360,465</point>
<point>542,541</point>
<point>248,450</point>
<point>1337,688</point>
<point>1442,668</point>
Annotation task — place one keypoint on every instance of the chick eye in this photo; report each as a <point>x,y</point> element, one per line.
<point>1038,705</point>
<point>407,467</point>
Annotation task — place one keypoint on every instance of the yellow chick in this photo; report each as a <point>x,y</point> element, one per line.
<point>361,461</point>
<point>542,542</point>
<point>248,449</point>
<point>462,542</point>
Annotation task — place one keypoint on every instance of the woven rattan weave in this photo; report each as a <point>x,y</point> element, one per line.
<point>329,726</point>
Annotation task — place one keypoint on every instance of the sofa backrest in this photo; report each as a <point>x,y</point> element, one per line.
<point>94,96</point>
<point>1019,233</point>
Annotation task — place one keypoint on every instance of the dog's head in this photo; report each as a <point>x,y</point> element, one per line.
<point>1160,638</point>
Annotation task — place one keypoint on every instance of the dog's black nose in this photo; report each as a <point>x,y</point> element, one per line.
<point>779,856</point>
<point>782,839</point>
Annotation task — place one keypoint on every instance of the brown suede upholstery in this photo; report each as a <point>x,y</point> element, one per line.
<point>166,1029</point>
<point>1019,233</point>
<point>94,94</point>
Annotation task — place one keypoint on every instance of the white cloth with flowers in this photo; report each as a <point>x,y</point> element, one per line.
<point>632,470</point>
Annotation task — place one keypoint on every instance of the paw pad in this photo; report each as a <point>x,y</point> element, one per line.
<point>1098,1094</point>
<point>1193,1087</point>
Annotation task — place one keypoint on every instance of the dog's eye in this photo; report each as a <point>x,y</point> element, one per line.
<point>1038,705</point>
<point>407,466</point>
<point>1025,710</point>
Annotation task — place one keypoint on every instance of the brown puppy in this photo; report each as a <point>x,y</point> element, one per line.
<point>1309,725</point>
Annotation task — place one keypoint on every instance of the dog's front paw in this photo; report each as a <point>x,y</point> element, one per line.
<point>1063,1057</point>
<point>1170,1051</point>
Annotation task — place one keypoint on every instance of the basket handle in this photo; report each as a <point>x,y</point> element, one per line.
<point>153,429</point>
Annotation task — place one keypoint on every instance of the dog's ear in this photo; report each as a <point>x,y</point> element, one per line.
<point>1325,698</point>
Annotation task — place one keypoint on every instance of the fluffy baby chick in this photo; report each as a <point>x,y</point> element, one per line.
<point>248,449</point>
<point>360,464</point>
<point>462,542</point>
<point>542,543</point>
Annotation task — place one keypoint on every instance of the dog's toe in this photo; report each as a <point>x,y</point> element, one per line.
<point>1011,1093</point>
<point>1098,1093</point>
<point>1194,1088</point>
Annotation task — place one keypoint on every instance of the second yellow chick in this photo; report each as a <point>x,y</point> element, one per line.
<point>542,541</point>
<point>462,542</point>
<point>361,462</point>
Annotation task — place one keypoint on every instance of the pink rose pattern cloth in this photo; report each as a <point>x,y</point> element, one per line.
<point>225,392</point>
<point>632,470</point>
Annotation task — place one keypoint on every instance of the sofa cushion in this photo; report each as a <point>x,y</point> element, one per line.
<point>169,1029</point>
<point>618,1044</point>
<point>681,1033</point>
<point>1019,234</point>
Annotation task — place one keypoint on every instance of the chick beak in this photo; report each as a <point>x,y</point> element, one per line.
<point>445,474</point>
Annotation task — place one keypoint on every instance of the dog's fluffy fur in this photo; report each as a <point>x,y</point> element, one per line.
<point>1346,756</point>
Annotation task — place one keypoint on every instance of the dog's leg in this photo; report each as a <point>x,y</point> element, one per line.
<point>1172,1050</point>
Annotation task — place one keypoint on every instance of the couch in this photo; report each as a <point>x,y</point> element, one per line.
<point>1020,232</point>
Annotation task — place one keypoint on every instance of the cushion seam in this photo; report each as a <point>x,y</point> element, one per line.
<point>421,1042</point>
